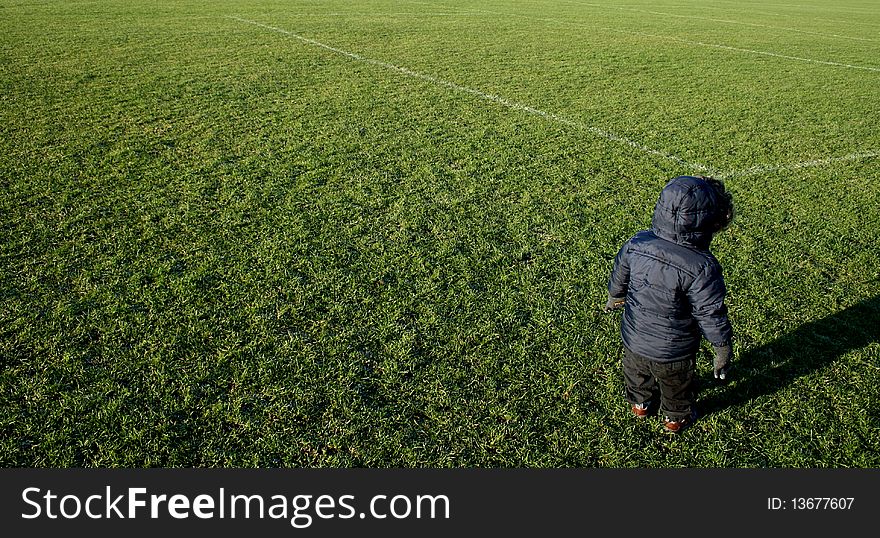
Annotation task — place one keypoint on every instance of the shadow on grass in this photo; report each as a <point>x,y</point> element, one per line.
<point>771,367</point>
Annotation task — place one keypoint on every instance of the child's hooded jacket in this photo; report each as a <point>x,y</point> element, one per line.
<point>672,283</point>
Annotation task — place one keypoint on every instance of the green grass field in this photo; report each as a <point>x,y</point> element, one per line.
<point>378,233</point>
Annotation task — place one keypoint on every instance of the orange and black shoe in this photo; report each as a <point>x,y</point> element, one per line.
<point>641,410</point>
<point>678,424</point>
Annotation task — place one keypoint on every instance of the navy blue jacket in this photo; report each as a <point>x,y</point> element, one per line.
<point>672,283</point>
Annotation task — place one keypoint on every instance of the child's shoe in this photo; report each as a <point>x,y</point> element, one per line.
<point>641,409</point>
<point>679,424</point>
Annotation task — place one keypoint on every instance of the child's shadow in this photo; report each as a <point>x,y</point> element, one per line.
<point>769,368</point>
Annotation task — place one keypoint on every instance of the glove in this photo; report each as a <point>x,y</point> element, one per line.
<point>614,303</point>
<point>723,359</point>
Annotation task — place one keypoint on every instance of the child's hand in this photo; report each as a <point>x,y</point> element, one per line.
<point>723,358</point>
<point>614,303</point>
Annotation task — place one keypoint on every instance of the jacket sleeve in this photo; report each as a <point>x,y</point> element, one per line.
<point>618,284</point>
<point>706,295</point>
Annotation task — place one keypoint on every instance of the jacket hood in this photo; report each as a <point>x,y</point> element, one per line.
<point>686,212</point>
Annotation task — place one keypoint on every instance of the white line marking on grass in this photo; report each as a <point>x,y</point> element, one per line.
<point>802,16</point>
<point>764,53</point>
<point>488,97</point>
<point>727,21</point>
<point>803,164</point>
<point>681,40</point>
<point>801,7</point>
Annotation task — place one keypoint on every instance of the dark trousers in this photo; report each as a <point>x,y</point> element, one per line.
<point>674,382</point>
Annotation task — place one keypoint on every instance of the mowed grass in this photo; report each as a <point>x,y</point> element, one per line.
<point>223,245</point>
